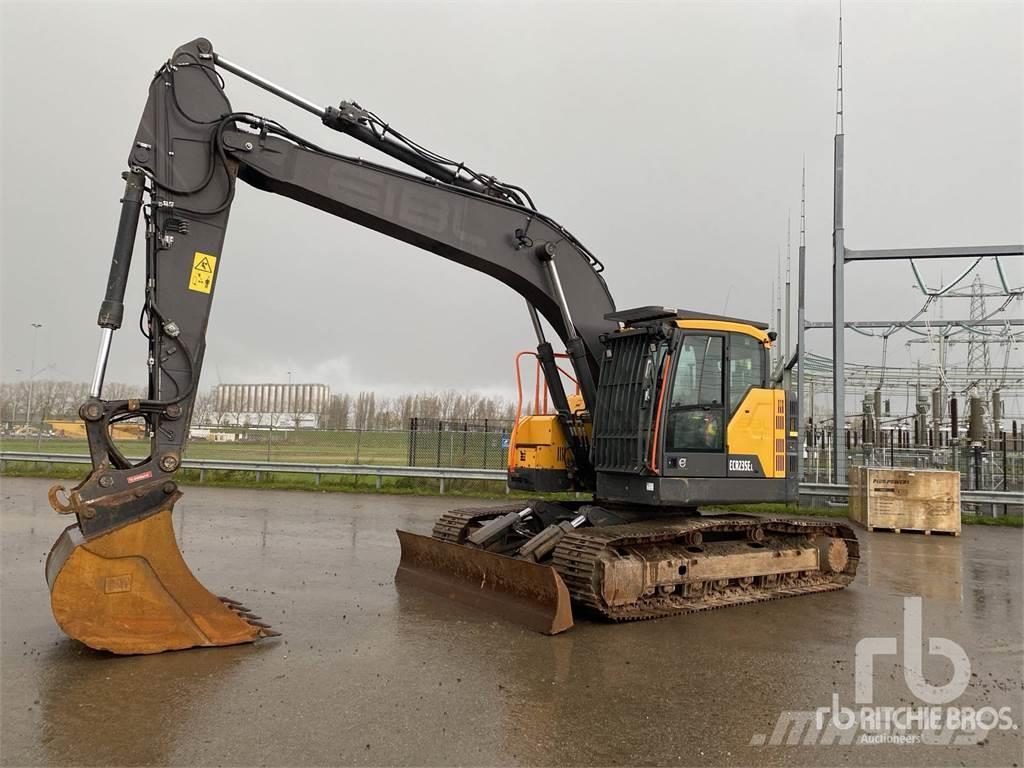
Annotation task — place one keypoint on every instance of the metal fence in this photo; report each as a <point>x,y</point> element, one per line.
<point>425,443</point>
<point>983,471</point>
<point>436,443</point>
<point>992,503</point>
<point>998,469</point>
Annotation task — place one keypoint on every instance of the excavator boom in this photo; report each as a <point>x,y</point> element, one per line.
<point>116,576</point>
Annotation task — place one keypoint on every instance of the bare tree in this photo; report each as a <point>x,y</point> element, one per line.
<point>61,399</point>
<point>365,409</point>
<point>204,411</point>
<point>341,410</point>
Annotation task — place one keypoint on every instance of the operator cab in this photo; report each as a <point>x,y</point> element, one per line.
<point>686,414</point>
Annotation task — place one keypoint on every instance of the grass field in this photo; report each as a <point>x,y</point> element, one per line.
<point>298,481</point>
<point>427,449</point>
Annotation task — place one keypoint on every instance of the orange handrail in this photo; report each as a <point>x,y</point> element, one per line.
<point>519,409</point>
<point>657,416</point>
<point>537,406</point>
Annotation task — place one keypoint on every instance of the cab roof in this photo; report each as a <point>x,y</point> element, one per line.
<point>654,313</point>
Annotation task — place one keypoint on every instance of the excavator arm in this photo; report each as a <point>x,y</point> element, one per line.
<point>189,151</point>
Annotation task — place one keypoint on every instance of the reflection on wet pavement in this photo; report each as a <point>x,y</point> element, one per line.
<point>369,675</point>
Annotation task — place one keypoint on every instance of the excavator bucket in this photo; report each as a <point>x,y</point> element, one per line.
<point>129,591</point>
<point>519,590</point>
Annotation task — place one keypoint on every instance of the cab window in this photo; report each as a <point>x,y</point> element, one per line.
<point>746,367</point>
<point>696,417</point>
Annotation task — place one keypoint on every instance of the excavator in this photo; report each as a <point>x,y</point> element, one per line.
<point>672,410</point>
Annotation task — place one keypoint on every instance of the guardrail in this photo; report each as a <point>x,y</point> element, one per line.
<point>1010,498</point>
<point>441,474</point>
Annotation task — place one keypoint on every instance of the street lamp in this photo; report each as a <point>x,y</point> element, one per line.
<point>32,371</point>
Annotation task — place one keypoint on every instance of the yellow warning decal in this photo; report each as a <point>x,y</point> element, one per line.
<point>203,267</point>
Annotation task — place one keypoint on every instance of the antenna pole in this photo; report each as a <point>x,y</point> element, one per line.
<point>785,335</point>
<point>801,418</point>
<point>780,360</point>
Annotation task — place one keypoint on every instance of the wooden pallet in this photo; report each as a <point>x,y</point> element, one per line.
<point>925,531</point>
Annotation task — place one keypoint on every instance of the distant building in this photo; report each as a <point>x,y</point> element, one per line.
<point>278,405</point>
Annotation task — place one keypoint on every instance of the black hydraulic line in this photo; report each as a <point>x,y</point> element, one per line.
<point>346,119</point>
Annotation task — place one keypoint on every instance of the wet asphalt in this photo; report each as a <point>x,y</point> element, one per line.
<point>366,674</point>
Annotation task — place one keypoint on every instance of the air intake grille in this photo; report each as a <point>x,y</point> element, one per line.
<point>626,401</point>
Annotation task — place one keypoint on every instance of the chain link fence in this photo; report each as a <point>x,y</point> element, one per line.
<point>993,464</point>
<point>982,470</point>
<point>479,444</point>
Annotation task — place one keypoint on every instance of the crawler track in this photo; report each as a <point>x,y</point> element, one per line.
<point>580,556</point>
<point>577,560</point>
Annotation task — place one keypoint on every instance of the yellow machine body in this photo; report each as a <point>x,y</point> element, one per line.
<point>539,457</point>
<point>758,428</point>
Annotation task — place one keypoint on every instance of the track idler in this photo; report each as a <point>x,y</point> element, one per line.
<point>128,590</point>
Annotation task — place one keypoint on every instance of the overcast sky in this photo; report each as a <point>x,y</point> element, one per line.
<point>667,137</point>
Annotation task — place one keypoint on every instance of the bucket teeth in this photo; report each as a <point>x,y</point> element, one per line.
<point>259,624</point>
<point>266,632</point>
<point>227,600</point>
<point>248,615</point>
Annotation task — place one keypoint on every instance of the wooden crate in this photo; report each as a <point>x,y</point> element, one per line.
<point>922,500</point>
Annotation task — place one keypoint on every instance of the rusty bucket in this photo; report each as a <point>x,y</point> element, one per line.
<point>129,591</point>
<point>518,590</point>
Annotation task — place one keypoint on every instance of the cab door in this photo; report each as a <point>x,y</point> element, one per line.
<point>694,436</point>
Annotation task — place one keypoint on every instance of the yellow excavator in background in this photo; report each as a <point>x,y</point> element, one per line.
<point>672,410</point>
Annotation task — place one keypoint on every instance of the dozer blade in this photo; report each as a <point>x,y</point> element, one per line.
<point>519,590</point>
<point>129,591</point>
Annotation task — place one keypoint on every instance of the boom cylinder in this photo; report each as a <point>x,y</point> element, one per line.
<point>101,362</point>
<point>549,367</point>
<point>574,345</point>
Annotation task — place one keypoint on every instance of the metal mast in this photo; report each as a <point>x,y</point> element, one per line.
<point>780,361</point>
<point>838,261</point>
<point>801,418</point>
<point>979,364</point>
<point>787,346</point>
